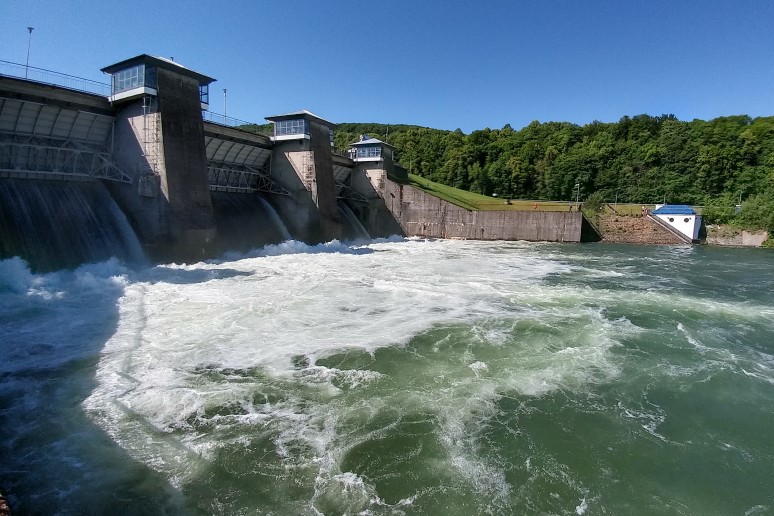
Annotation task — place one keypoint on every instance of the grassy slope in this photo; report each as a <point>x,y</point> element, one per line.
<point>474,201</point>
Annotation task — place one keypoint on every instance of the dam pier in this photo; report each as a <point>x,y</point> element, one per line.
<point>89,171</point>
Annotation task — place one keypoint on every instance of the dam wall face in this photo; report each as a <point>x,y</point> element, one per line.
<point>184,177</point>
<point>323,184</point>
<point>160,143</point>
<point>188,190</point>
<point>421,214</point>
<point>139,155</point>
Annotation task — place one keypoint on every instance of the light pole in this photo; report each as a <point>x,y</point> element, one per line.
<point>224,105</point>
<point>29,42</point>
<point>577,193</point>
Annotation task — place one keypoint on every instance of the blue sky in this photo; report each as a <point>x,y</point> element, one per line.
<point>443,64</point>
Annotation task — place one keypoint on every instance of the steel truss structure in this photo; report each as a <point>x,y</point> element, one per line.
<point>344,191</point>
<point>53,158</point>
<point>231,177</point>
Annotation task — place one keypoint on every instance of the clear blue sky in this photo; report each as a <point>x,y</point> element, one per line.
<point>443,64</point>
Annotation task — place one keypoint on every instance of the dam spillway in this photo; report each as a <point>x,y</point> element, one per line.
<point>192,188</point>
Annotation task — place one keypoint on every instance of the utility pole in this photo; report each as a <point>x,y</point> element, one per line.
<point>29,42</point>
<point>224,105</point>
<point>577,193</point>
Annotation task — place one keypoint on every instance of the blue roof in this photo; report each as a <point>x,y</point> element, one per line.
<point>674,209</point>
<point>370,141</point>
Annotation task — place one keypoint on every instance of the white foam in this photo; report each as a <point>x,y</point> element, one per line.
<point>273,304</point>
<point>15,276</point>
<point>581,509</point>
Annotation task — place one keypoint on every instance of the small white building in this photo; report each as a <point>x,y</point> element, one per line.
<point>370,149</point>
<point>681,217</point>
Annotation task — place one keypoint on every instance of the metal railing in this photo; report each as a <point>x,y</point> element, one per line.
<point>217,118</point>
<point>50,77</point>
<point>344,153</point>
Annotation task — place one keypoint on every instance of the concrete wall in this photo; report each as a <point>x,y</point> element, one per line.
<point>304,166</point>
<point>184,178</point>
<point>54,95</point>
<point>728,236</point>
<point>169,203</point>
<point>367,179</point>
<point>145,208</point>
<point>421,214</point>
<point>324,183</point>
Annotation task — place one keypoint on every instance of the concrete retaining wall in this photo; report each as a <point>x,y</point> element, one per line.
<point>726,236</point>
<point>421,214</point>
<point>184,180</point>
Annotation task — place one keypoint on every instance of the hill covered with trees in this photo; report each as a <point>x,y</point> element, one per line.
<point>640,159</point>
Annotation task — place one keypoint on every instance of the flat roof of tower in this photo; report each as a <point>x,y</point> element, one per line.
<point>159,62</point>
<point>371,141</point>
<point>300,114</point>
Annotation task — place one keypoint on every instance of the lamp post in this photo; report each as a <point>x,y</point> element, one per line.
<point>577,193</point>
<point>224,106</point>
<point>29,42</point>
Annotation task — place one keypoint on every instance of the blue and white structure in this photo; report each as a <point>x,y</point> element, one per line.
<point>680,217</point>
<point>370,149</point>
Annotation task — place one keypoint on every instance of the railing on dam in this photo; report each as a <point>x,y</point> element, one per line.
<point>252,127</point>
<point>50,77</point>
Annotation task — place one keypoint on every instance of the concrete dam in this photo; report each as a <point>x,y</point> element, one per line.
<point>138,171</point>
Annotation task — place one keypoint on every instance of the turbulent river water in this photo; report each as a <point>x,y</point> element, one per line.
<point>393,377</point>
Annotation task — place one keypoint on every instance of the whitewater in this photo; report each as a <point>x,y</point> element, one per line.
<point>394,376</point>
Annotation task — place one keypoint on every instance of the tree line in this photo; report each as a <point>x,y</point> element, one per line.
<point>721,163</point>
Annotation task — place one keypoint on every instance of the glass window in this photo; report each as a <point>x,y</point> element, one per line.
<point>204,93</point>
<point>286,127</point>
<point>129,79</point>
<point>150,78</point>
<point>369,152</point>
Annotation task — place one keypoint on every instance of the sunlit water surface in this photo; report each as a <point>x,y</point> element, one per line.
<point>394,377</point>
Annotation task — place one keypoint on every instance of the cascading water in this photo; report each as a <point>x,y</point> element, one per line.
<point>275,218</point>
<point>353,228</point>
<point>59,224</point>
<point>244,222</point>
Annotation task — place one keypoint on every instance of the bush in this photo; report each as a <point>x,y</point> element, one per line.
<point>758,212</point>
<point>720,210</point>
<point>594,203</point>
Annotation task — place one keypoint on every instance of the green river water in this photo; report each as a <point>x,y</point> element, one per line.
<point>394,377</point>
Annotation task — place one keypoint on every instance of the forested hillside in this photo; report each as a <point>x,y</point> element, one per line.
<point>642,159</point>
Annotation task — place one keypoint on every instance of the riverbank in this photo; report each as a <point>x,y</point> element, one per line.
<point>634,229</point>
<point>730,236</point>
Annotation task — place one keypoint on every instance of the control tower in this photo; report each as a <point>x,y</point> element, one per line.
<point>302,148</point>
<point>160,138</point>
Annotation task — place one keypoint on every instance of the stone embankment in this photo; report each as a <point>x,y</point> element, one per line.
<point>634,230</point>
<point>732,237</point>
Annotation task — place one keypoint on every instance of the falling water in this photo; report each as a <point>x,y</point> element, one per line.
<point>61,224</point>
<point>244,222</point>
<point>353,228</point>
<point>276,219</point>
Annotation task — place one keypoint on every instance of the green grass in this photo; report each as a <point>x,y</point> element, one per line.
<point>474,201</point>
